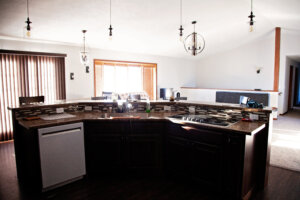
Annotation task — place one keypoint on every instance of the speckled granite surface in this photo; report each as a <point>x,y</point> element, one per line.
<point>241,127</point>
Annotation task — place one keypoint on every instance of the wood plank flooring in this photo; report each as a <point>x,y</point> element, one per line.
<point>283,185</point>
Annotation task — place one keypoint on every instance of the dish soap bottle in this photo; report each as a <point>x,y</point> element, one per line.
<point>148,107</point>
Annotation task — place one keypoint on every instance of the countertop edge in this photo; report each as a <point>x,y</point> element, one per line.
<point>235,128</point>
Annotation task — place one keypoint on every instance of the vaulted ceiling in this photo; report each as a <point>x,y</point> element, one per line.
<point>147,26</point>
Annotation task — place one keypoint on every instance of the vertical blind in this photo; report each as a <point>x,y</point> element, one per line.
<point>28,75</point>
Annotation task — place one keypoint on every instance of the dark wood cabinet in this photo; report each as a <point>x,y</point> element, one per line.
<point>226,162</point>
<point>206,164</point>
<point>104,153</point>
<point>177,156</point>
<point>104,147</point>
<point>114,147</point>
<point>194,159</point>
<point>233,165</point>
<point>143,152</point>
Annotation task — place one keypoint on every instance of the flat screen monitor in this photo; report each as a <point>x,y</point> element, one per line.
<point>166,93</point>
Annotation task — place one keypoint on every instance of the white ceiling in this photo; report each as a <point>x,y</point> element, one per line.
<point>148,26</point>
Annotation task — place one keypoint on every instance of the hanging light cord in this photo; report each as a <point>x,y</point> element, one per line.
<point>180,12</point>
<point>251,5</point>
<point>110,27</point>
<point>84,42</point>
<point>180,28</point>
<point>194,27</point>
<point>110,13</point>
<point>27,9</point>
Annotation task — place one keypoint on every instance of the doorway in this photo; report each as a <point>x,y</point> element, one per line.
<point>297,88</point>
<point>293,84</point>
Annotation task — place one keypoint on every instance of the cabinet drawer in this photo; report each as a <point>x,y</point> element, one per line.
<point>152,128</point>
<point>106,127</point>
<point>198,134</point>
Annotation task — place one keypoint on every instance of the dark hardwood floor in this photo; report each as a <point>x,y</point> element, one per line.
<point>283,185</point>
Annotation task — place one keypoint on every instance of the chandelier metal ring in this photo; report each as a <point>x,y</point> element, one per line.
<point>194,43</point>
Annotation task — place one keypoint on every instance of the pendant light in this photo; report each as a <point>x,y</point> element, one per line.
<point>110,27</point>
<point>194,43</point>
<point>251,16</point>
<point>180,28</point>
<point>28,22</point>
<point>84,59</point>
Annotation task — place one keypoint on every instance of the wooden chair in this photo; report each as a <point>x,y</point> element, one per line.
<point>31,100</point>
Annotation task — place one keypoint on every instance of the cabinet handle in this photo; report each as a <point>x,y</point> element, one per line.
<point>228,140</point>
<point>188,128</point>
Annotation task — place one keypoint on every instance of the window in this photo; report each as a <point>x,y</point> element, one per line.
<point>25,74</point>
<point>124,77</point>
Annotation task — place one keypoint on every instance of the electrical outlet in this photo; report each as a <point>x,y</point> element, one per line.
<point>88,108</point>
<point>192,109</point>
<point>59,110</point>
<point>253,116</point>
<point>167,108</point>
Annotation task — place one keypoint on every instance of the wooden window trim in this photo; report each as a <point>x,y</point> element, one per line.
<point>125,64</point>
<point>277,59</point>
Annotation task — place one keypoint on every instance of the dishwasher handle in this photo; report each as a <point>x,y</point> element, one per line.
<point>66,131</point>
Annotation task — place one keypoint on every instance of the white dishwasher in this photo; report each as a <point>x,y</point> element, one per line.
<point>62,154</point>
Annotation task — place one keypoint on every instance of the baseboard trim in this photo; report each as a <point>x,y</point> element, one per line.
<point>284,113</point>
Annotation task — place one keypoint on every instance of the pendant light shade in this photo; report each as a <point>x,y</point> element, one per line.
<point>194,43</point>
<point>84,57</point>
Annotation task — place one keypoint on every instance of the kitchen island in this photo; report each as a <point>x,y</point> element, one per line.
<point>231,160</point>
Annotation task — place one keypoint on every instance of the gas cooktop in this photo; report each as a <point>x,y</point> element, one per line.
<point>206,119</point>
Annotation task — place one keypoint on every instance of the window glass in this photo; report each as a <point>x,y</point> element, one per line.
<point>123,77</point>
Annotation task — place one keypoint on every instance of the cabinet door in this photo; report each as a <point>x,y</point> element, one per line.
<point>233,165</point>
<point>206,164</point>
<point>104,153</point>
<point>177,156</point>
<point>143,152</point>
<point>104,146</point>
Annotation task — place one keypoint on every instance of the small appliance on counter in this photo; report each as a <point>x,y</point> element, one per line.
<point>253,104</point>
<point>178,97</point>
<point>250,103</point>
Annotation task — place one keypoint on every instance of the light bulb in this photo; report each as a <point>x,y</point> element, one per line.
<point>110,38</point>
<point>28,34</point>
<point>251,28</point>
<point>180,38</point>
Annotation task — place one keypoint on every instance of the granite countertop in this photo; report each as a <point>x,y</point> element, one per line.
<point>248,128</point>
